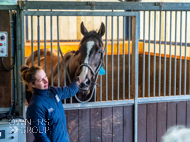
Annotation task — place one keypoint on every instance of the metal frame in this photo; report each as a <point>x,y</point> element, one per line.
<point>76,13</point>
<point>138,6</point>
<point>135,31</point>
<point>100,6</point>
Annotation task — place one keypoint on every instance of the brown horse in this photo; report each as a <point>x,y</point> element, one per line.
<point>84,63</point>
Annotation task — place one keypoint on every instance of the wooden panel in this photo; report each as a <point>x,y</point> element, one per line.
<point>107,124</point>
<point>96,124</point>
<point>171,114</point>
<point>128,124</point>
<point>84,125</point>
<point>29,134</point>
<point>3,96</point>
<point>117,124</point>
<point>188,114</point>
<point>151,125</point>
<point>142,123</point>
<point>72,124</point>
<point>181,113</point>
<point>161,120</point>
<point>5,81</point>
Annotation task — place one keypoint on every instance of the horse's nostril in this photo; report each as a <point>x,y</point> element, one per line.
<point>82,84</point>
<point>88,82</point>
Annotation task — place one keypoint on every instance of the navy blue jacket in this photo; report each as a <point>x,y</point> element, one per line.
<point>46,115</point>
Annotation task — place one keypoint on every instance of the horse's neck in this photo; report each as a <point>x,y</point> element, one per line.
<point>65,63</point>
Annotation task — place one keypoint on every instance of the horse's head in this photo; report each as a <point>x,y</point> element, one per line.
<point>87,60</point>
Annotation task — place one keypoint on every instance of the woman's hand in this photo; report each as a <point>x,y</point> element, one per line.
<point>78,81</point>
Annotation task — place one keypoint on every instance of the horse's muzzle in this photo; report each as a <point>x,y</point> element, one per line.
<point>85,85</point>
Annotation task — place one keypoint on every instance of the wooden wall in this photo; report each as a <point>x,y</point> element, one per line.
<point>5,80</point>
<point>155,119</point>
<point>116,123</point>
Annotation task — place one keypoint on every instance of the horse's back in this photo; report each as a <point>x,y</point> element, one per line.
<point>45,60</point>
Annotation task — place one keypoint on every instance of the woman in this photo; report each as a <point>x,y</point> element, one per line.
<point>45,112</point>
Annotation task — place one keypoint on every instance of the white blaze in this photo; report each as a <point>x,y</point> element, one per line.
<point>84,72</point>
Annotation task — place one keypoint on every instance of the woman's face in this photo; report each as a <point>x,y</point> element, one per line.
<point>41,80</point>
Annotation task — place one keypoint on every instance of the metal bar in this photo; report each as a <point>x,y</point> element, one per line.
<point>185,70</point>
<point>143,76</point>
<point>45,43</point>
<point>26,26</point>
<point>135,63</point>
<point>32,46</point>
<point>165,54</point>
<point>97,104</point>
<point>95,94</point>
<point>154,86</point>
<point>8,7</point>
<point>77,13</point>
<point>163,99</point>
<point>38,40</point>
<point>163,42</point>
<point>159,86</point>
<point>149,6</point>
<point>170,53</point>
<point>180,54</point>
<point>118,68</point>
<point>100,88</point>
<point>112,59</point>
<point>124,28</point>
<point>23,95</point>
<point>18,62</point>
<point>106,36</point>
<point>51,35</point>
<point>129,59</point>
<point>149,54</point>
<point>125,103</point>
<point>175,64</point>
<point>58,46</point>
<point>5,110</point>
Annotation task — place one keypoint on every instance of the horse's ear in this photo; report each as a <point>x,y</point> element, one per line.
<point>102,29</point>
<point>83,30</point>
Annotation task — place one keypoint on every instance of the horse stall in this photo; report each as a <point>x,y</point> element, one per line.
<point>145,56</point>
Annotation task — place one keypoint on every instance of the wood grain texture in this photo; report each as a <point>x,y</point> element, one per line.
<point>96,125</point>
<point>117,124</point>
<point>188,114</point>
<point>73,124</point>
<point>5,81</point>
<point>107,124</point>
<point>142,123</point>
<point>151,125</point>
<point>161,120</point>
<point>84,125</point>
<point>128,124</point>
<point>171,114</point>
<point>181,113</point>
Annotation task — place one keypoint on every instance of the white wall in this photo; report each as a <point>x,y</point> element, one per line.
<point>69,27</point>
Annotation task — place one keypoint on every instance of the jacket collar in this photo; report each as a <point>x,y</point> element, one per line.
<point>41,92</point>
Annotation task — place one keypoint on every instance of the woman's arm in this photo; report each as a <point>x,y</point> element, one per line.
<point>68,91</point>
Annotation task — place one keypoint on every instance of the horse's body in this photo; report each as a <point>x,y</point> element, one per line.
<point>83,63</point>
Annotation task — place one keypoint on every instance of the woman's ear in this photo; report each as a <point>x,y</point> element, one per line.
<point>30,86</point>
